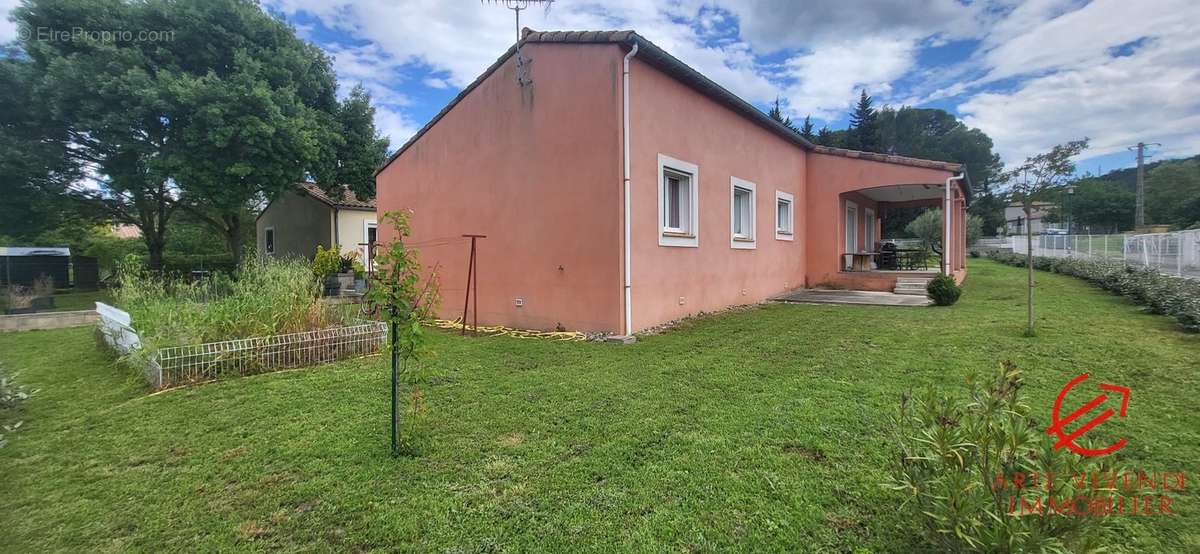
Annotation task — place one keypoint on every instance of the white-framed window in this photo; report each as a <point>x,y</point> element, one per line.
<point>785,215</point>
<point>742,213</point>
<point>269,240</point>
<point>678,202</point>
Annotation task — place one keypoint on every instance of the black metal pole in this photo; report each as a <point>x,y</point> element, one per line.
<point>395,407</point>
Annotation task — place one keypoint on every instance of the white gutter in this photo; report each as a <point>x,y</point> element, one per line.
<point>625,141</point>
<point>947,211</point>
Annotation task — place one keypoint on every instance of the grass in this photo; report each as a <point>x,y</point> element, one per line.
<point>81,300</point>
<point>762,429</point>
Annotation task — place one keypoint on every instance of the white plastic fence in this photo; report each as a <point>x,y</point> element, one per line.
<point>1175,253</point>
<point>200,362</point>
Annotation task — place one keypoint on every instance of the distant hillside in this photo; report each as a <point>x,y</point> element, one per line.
<point>1128,176</point>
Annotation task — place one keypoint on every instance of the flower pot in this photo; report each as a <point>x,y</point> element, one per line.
<point>360,284</point>
<point>346,280</point>
<point>43,303</point>
<point>332,284</point>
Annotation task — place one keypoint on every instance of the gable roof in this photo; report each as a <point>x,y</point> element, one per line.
<point>658,58</point>
<point>347,200</point>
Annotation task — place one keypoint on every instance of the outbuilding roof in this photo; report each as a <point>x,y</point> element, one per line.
<point>658,58</point>
<point>347,200</point>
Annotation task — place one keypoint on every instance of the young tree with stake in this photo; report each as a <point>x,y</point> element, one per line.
<point>406,302</point>
<point>1031,181</point>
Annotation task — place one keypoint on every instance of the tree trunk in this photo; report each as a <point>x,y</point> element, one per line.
<point>1029,267</point>
<point>233,236</point>
<point>155,246</point>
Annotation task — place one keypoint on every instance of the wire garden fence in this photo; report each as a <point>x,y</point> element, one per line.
<point>175,365</point>
<point>1176,253</point>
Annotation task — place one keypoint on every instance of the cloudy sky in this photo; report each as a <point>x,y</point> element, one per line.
<point>1030,74</point>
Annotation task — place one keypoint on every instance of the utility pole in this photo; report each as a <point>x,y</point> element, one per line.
<point>1139,220</point>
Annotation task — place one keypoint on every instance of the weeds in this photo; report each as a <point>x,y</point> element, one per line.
<point>264,297</point>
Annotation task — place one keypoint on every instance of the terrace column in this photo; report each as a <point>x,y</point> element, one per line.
<point>947,230</point>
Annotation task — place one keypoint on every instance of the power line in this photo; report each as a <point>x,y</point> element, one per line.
<point>1139,219</point>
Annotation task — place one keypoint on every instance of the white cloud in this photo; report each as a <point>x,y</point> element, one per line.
<point>1081,36</point>
<point>8,29</point>
<point>1080,88</point>
<point>1043,72</point>
<point>772,25</point>
<point>828,78</point>
<point>395,125</point>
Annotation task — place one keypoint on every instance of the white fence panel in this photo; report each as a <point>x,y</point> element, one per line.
<point>116,328</point>
<point>1175,253</point>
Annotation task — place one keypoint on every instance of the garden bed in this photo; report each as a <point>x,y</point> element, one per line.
<point>267,316</point>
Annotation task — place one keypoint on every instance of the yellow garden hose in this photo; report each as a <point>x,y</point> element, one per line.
<point>500,330</point>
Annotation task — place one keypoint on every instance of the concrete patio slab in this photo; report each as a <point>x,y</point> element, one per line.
<point>818,296</point>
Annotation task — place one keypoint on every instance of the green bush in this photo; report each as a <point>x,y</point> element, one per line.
<point>957,464</point>
<point>943,290</point>
<point>1161,294</point>
<point>326,261</point>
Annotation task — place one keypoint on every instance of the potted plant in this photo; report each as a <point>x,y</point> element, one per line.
<point>360,278</point>
<point>346,271</point>
<point>326,264</point>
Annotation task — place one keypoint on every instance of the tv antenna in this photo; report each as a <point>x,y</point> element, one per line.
<point>517,6</point>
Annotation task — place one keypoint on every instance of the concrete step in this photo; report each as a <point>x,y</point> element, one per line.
<point>911,285</point>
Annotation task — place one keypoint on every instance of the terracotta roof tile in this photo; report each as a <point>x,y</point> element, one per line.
<point>348,200</point>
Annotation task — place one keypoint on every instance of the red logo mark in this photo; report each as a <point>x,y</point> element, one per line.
<point>1068,440</point>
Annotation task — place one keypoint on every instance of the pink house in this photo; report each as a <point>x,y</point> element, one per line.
<point>620,189</point>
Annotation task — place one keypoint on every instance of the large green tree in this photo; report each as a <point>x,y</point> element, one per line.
<point>1173,193</point>
<point>935,134</point>
<point>102,92</point>
<point>777,114</point>
<point>256,113</point>
<point>35,161</point>
<point>806,129</point>
<point>1097,206</point>
<point>863,133</point>
<point>221,110</point>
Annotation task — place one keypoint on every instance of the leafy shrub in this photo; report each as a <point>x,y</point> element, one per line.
<point>264,297</point>
<point>1161,294</point>
<point>957,462</point>
<point>943,290</point>
<point>326,261</point>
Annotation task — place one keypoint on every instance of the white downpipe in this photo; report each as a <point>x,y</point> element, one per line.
<point>946,233</point>
<point>625,143</point>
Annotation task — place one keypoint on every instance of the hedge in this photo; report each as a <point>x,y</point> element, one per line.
<point>1160,294</point>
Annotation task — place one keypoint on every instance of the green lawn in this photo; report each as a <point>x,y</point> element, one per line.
<point>761,429</point>
<point>80,300</point>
